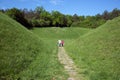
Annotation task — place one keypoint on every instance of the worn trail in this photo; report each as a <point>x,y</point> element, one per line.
<point>68,64</point>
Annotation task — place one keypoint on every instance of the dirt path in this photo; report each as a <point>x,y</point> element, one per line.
<point>68,64</point>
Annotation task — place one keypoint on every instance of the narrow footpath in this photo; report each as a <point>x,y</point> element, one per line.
<point>68,64</point>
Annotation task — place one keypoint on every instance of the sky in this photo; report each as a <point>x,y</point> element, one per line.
<point>79,7</point>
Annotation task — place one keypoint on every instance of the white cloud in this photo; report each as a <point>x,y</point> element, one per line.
<point>56,2</point>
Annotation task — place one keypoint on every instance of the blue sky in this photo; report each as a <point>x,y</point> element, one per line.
<point>80,7</point>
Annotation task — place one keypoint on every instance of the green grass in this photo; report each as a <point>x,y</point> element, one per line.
<point>32,54</point>
<point>45,66</point>
<point>51,35</point>
<point>97,53</point>
<point>25,56</point>
<point>66,34</point>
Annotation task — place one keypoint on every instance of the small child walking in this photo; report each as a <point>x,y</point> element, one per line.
<point>59,43</point>
<point>62,43</point>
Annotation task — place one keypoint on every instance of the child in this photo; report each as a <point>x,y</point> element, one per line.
<point>62,43</point>
<point>59,43</point>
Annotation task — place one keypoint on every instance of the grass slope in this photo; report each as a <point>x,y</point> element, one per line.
<point>54,34</point>
<point>23,55</point>
<point>97,53</point>
<point>60,33</point>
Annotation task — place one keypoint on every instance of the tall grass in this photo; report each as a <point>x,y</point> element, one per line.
<point>16,50</point>
<point>45,66</point>
<point>97,52</point>
<point>24,55</point>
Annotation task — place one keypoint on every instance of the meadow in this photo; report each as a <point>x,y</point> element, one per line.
<point>32,54</point>
<point>97,52</point>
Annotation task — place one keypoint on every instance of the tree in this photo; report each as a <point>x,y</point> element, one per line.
<point>75,18</point>
<point>56,18</point>
<point>98,16</point>
<point>114,13</point>
<point>81,18</point>
<point>2,10</point>
<point>105,15</point>
<point>29,14</point>
<point>69,20</point>
<point>59,19</point>
<point>39,9</point>
<point>18,16</point>
<point>39,17</point>
<point>46,16</point>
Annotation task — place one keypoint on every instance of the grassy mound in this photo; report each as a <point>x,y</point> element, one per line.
<point>18,47</point>
<point>97,53</point>
<point>23,55</point>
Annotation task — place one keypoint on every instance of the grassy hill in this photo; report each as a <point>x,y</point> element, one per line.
<point>60,33</point>
<point>32,54</point>
<point>97,53</point>
<point>23,55</point>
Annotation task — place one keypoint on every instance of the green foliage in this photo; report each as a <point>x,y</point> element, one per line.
<point>39,9</point>
<point>97,52</point>
<point>75,18</point>
<point>18,16</point>
<point>39,17</point>
<point>89,22</point>
<point>40,23</point>
<point>115,13</point>
<point>106,15</point>
<point>58,19</point>
<point>69,20</point>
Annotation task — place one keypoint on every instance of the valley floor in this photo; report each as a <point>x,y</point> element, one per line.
<point>68,64</point>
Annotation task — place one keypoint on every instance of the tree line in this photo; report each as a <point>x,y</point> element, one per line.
<point>39,17</point>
